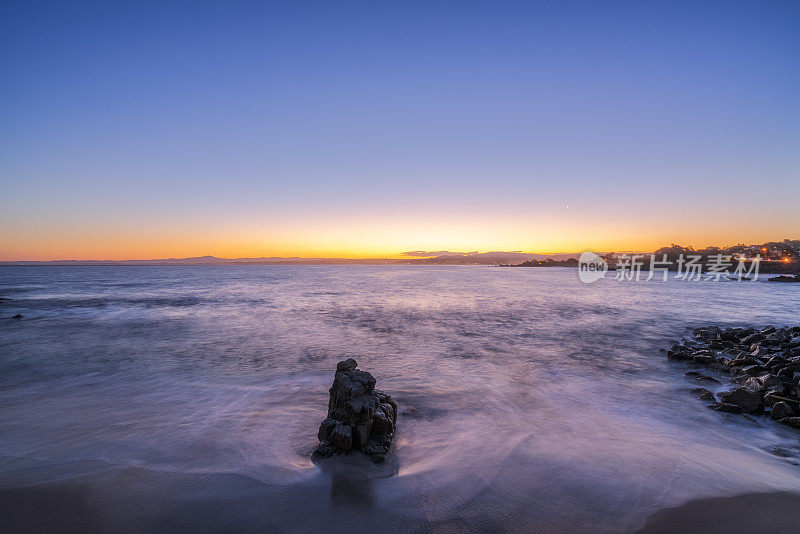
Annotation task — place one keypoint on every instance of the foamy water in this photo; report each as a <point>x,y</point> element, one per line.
<point>526,397</point>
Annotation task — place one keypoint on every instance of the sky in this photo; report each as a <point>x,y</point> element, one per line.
<point>365,129</point>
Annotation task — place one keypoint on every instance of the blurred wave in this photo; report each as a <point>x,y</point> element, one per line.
<point>514,384</point>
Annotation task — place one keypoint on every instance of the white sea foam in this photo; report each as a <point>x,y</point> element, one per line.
<point>523,392</point>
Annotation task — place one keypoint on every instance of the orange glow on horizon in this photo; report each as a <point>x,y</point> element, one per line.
<point>363,245</point>
<point>358,235</point>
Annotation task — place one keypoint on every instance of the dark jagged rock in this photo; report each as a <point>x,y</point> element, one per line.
<point>753,370</point>
<point>748,400</point>
<point>763,382</point>
<point>360,417</point>
<point>726,407</point>
<point>679,352</point>
<point>770,399</point>
<point>791,421</point>
<point>775,361</point>
<point>764,364</point>
<point>752,338</point>
<point>701,377</point>
<point>781,410</point>
<point>783,278</point>
<point>703,393</point>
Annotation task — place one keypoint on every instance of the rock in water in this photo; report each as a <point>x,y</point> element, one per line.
<point>784,278</point>
<point>781,410</point>
<point>747,399</point>
<point>360,417</point>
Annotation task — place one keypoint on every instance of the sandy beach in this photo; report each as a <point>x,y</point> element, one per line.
<point>142,500</point>
<point>156,399</point>
<point>756,512</point>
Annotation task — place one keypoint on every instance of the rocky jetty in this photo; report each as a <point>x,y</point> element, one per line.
<point>784,278</point>
<point>360,417</point>
<point>764,364</point>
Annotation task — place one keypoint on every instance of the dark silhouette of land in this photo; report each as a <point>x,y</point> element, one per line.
<point>776,257</point>
<point>410,258</point>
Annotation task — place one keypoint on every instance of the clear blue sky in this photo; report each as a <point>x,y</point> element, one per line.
<point>144,129</point>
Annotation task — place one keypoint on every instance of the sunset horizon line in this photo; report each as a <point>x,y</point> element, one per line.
<point>410,255</point>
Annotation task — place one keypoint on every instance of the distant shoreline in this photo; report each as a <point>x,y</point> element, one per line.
<point>770,253</point>
<point>778,269</point>
<point>199,265</point>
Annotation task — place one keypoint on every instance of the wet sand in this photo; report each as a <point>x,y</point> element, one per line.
<point>753,513</point>
<point>142,500</point>
<point>135,499</point>
<point>174,399</point>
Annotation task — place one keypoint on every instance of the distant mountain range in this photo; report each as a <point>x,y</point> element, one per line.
<point>410,258</point>
<point>787,251</point>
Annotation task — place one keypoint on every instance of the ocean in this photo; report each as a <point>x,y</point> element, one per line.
<point>189,397</point>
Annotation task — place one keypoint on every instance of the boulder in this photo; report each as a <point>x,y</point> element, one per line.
<point>783,278</point>
<point>726,407</point>
<point>703,393</point>
<point>741,362</point>
<point>700,376</point>
<point>780,389</point>
<point>761,383</point>
<point>788,370</point>
<point>752,338</point>
<point>707,333</point>
<point>764,364</point>
<point>679,352</point>
<point>346,365</point>
<point>791,421</point>
<point>753,370</point>
<point>775,361</point>
<point>748,400</point>
<point>704,358</point>
<point>770,399</point>
<point>776,338</point>
<point>360,417</point>
<point>781,410</point>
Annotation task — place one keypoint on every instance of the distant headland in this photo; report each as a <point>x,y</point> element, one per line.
<point>409,258</point>
<point>777,256</point>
